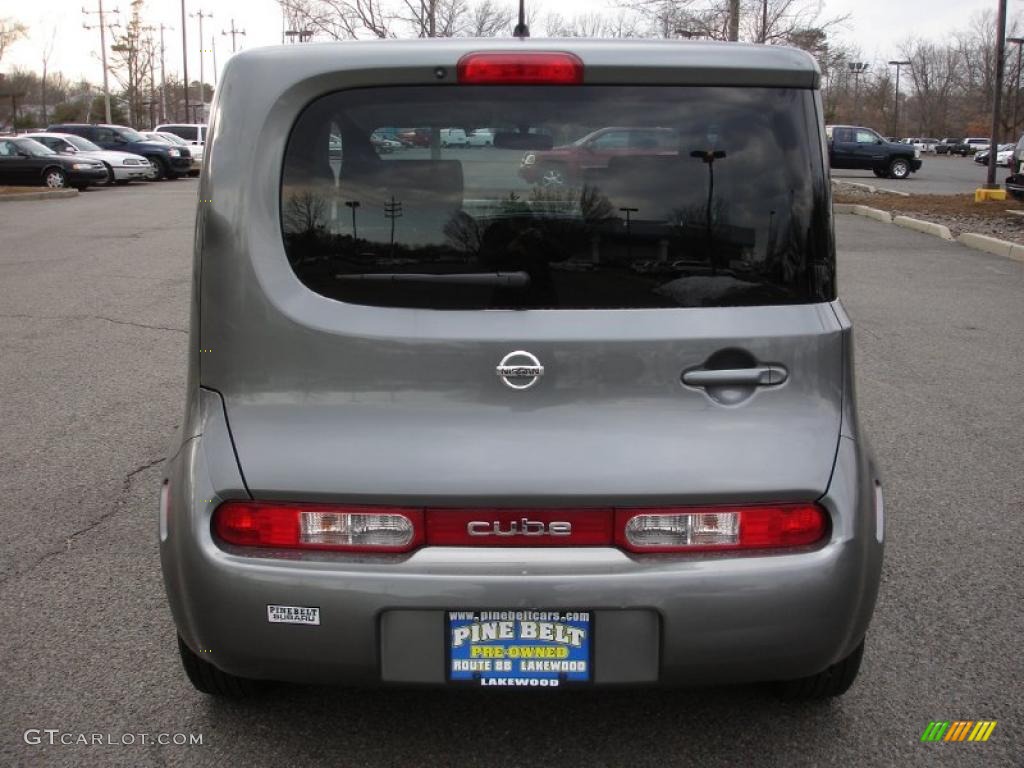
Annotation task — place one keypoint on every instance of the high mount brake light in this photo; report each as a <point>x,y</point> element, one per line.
<point>319,526</point>
<point>511,68</point>
<point>698,529</point>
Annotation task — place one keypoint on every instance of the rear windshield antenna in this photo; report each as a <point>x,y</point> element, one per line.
<point>521,29</point>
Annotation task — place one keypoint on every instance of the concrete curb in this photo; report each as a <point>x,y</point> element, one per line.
<point>992,245</point>
<point>869,188</point>
<point>927,227</point>
<point>863,210</point>
<point>55,194</point>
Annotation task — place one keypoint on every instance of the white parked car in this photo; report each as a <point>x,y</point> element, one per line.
<point>922,145</point>
<point>977,144</point>
<point>453,137</point>
<point>194,134</point>
<point>481,137</point>
<point>122,167</point>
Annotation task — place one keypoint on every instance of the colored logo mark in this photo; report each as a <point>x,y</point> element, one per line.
<point>958,730</point>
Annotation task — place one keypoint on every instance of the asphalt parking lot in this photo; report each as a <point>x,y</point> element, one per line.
<point>939,175</point>
<point>93,316</point>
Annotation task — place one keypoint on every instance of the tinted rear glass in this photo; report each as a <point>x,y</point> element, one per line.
<point>591,197</point>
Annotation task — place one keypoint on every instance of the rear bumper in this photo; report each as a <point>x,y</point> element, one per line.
<point>658,619</point>
<point>915,164</point>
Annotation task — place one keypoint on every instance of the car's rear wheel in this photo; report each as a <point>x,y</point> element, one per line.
<point>899,168</point>
<point>55,178</point>
<point>832,682</point>
<point>206,678</point>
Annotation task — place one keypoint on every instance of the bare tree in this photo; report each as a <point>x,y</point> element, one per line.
<point>623,24</point>
<point>435,18</point>
<point>661,18</point>
<point>129,62</point>
<point>581,25</point>
<point>10,32</point>
<point>341,19</point>
<point>790,22</point>
<point>47,53</point>
<point>489,19</point>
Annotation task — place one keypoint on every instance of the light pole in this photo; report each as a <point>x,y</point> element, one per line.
<point>896,109</point>
<point>997,98</point>
<point>353,204</point>
<point>163,76</point>
<point>103,51</point>
<point>708,157</point>
<point>200,14</point>
<point>213,53</point>
<point>857,68</point>
<point>629,231</point>
<point>184,55</point>
<point>1019,42</point>
<point>233,32</point>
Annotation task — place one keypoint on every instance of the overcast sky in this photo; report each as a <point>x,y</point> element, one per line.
<point>876,26</point>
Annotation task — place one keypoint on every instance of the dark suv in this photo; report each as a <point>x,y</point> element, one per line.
<point>168,162</point>
<point>861,148</point>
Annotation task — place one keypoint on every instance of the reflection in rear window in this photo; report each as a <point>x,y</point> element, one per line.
<point>581,197</point>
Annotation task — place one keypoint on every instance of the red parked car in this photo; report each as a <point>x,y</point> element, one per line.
<point>568,164</point>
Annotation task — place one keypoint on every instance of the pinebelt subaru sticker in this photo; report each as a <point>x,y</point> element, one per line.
<point>293,614</point>
<point>519,648</point>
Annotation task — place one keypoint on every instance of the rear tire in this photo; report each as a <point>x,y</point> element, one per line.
<point>207,679</point>
<point>832,682</point>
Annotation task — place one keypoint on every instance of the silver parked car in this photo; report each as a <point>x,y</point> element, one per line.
<point>441,428</point>
<point>122,167</point>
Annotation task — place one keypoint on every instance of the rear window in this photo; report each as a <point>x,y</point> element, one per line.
<point>591,197</point>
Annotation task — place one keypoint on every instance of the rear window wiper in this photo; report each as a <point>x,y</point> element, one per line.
<point>499,279</point>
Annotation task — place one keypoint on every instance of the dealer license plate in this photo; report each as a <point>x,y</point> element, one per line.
<point>517,648</point>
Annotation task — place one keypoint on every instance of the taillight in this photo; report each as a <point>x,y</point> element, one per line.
<point>696,529</point>
<point>512,68</point>
<point>319,526</point>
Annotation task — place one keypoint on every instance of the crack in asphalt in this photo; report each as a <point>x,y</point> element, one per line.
<point>117,506</point>
<point>95,317</point>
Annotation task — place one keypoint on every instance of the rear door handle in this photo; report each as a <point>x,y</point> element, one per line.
<point>762,376</point>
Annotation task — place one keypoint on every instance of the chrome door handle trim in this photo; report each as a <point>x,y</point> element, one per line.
<point>762,376</point>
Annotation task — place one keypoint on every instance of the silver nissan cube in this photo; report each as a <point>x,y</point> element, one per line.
<point>570,408</point>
